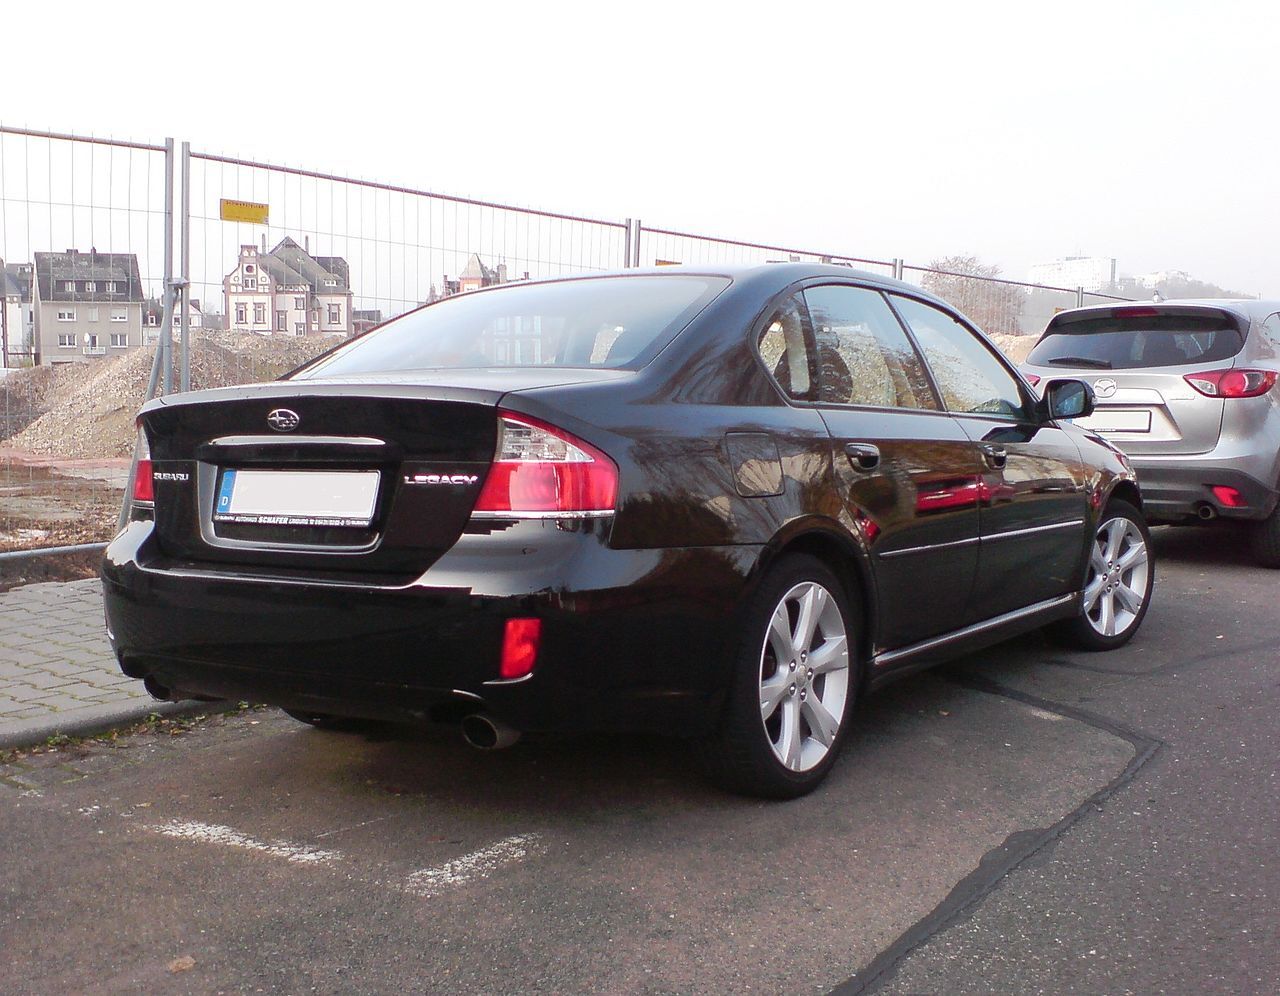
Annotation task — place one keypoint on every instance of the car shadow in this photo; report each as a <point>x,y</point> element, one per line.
<point>1213,543</point>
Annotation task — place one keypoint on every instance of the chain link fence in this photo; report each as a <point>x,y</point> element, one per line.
<point>253,268</point>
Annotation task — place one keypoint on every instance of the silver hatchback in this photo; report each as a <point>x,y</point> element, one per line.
<point>1188,390</point>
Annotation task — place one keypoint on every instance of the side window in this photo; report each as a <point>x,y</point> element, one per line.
<point>864,357</point>
<point>785,350</point>
<point>970,378</point>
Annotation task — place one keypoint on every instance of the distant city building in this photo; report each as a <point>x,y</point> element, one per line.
<point>1159,278</point>
<point>287,291</point>
<point>86,305</point>
<point>1093,273</point>
<point>363,321</point>
<point>153,314</point>
<point>17,316</point>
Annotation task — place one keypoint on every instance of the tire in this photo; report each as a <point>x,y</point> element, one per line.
<point>785,748</point>
<point>1117,589</point>
<point>1264,539</point>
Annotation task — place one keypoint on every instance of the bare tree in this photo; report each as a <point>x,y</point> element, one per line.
<point>967,283</point>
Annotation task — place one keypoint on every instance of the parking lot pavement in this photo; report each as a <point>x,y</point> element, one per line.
<point>57,673</point>
<point>1026,820</point>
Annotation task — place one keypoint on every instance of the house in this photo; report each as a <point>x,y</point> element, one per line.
<point>288,291</point>
<point>153,313</point>
<point>86,305</point>
<point>363,321</point>
<point>17,317</point>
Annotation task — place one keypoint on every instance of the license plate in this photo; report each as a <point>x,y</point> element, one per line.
<point>296,497</point>
<point>1116,420</point>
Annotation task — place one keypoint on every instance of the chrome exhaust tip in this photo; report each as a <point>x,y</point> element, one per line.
<point>1207,511</point>
<point>484,732</point>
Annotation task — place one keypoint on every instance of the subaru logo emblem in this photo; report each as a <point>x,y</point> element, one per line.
<point>1104,388</point>
<point>283,420</point>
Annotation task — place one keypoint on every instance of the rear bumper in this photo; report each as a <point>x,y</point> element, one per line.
<point>631,639</point>
<point>1173,491</point>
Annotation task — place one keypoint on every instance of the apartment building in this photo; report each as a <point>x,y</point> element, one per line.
<point>17,318</point>
<point>287,291</point>
<point>86,305</point>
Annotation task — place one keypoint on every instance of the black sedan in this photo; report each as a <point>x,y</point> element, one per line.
<point>719,504</point>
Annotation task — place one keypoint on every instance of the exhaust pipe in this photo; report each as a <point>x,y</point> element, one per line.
<point>1206,511</point>
<point>484,732</point>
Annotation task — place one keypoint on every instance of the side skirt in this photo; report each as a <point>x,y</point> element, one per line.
<point>890,665</point>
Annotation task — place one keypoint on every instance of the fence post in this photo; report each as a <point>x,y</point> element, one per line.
<point>897,268</point>
<point>635,253</point>
<point>626,251</point>
<point>185,354</point>
<point>1079,297</point>
<point>161,368</point>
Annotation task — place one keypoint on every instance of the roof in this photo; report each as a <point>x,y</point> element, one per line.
<point>475,269</point>
<point>15,281</point>
<point>302,267</point>
<point>54,269</point>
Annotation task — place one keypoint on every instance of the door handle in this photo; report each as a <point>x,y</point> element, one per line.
<point>863,456</point>
<point>995,455</point>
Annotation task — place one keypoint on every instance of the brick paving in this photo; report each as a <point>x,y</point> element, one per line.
<point>57,672</point>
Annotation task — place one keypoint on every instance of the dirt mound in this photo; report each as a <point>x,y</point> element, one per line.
<point>1016,347</point>
<point>87,410</point>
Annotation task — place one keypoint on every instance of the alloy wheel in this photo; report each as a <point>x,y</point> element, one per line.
<point>804,676</point>
<point>1119,565</point>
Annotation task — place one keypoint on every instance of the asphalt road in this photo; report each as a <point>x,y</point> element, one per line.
<point>1025,820</point>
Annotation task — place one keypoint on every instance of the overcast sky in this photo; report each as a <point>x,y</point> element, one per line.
<point>1017,132</point>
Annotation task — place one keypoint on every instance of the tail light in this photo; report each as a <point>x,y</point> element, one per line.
<point>1228,496</point>
<point>520,640</point>
<point>143,487</point>
<point>542,471</point>
<point>1232,383</point>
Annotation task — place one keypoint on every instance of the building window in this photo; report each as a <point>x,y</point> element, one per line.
<point>90,287</point>
<point>111,286</point>
<point>299,328</point>
<point>67,340</point>
<point>153,320</point>
<point>235,278</point>
<point>259,314</point>
<point>282,321</point>
<point>93,314</point>
<point>248,267</point>
<point>91,340</point>
<point>241,314</point>
<point>299,304</point>
<point>67,316</point>
<point>119,314</point>
<point>330,282</point>
<point>69,286</point>
<point>119,340</point>
<point>335,314</point>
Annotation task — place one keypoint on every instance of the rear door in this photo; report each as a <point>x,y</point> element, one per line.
<point>908,473</point>
<point>1034,493</point>
<point>1137,359</point>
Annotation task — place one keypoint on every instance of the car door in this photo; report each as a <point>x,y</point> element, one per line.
<point>907,471</point>
<point>1033,503</point>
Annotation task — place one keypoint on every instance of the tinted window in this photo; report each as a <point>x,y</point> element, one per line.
<point>1119,343</point>
<point>608,322</point>
<point>784,347</point>
<point>864,356</point>
<point>967,373</point>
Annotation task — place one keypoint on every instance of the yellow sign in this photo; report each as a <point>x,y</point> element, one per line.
<point>246,211</point>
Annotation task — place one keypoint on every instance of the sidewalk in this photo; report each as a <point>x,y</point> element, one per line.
<point>57,673</point>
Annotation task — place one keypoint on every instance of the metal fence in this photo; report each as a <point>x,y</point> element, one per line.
<point>225,270</point>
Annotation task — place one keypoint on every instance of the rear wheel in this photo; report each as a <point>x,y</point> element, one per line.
<point>1264,539</point>
<point>1118,583</point>
<point>794,683</point>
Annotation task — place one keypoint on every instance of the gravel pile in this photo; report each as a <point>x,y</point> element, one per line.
<point>87,410</point>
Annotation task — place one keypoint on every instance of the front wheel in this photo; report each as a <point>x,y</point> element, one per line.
<point>793,686</point>
<point>1118,584</point>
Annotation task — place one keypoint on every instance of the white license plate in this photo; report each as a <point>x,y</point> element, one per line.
<point>1116,420</point>
<point>296,497</point>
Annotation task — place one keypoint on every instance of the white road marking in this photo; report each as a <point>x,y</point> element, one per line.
<point>1039,713</point>
<point>476,865</point>
<point>212,833</point>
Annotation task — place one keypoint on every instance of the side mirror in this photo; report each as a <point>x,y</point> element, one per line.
<point>1067,399</point>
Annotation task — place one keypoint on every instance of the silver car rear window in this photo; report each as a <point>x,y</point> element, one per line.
<point>1148,341</point>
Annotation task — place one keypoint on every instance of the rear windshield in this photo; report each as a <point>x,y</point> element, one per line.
<point>608,322</point>
<point>1148,341</point>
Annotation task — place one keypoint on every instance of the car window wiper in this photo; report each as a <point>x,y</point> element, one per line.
<point>1080,361</point>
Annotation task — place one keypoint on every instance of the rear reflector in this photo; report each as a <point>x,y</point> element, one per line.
<point>1229,497</point>
<point>1232,383</point>
<point>542,470</point>
<point>520,647</point>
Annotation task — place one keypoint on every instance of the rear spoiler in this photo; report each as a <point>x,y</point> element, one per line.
<point>1226,317</point>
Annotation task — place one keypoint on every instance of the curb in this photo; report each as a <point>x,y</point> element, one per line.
<point>97,719</point>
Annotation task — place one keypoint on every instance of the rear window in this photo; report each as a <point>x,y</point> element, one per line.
<point>608,322</point>
<point>1145,341</point>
